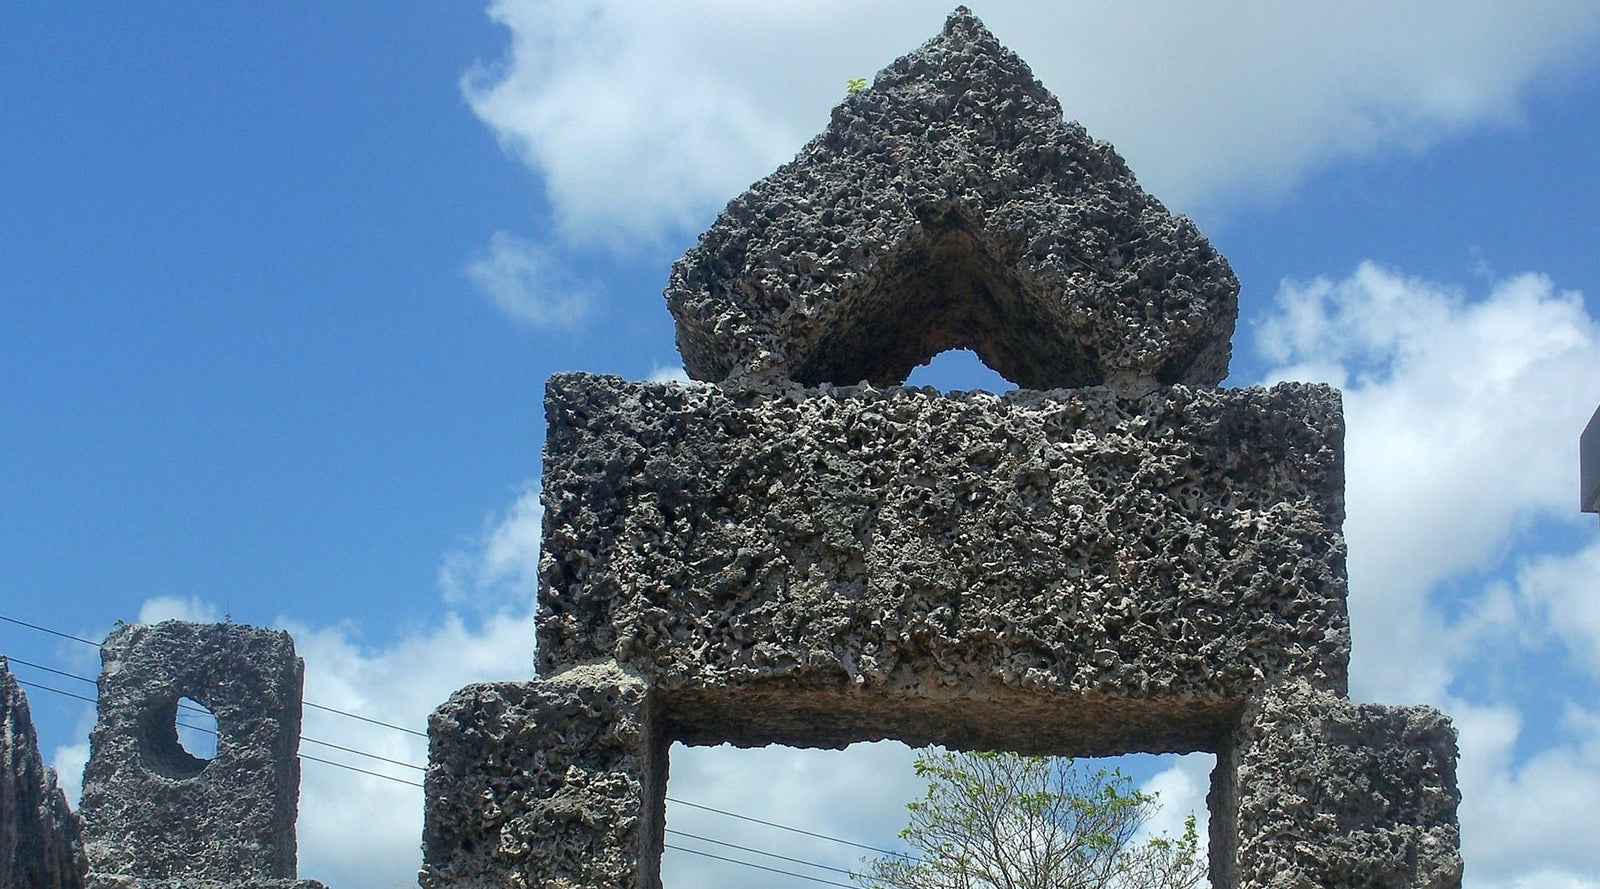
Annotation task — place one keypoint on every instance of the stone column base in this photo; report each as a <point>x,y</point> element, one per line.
<point>556,782</point>
<point>1332,794</point>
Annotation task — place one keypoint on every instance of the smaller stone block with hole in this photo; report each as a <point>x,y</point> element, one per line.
<point>1334,794</point>
<point>156,815</point>
<point>557,782</point>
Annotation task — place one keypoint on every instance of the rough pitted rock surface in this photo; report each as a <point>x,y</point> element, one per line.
<point>155,813</point>
<point>1146,564</point>
<point>950,206</point>
<point>559,782</point>
<point>41,846</point>
<point>104,881</point>
<point>1345,796</point>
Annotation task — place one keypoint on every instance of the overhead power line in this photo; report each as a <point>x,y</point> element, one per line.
<point>702,839</point>
<point>820,836</point>
<point>787,873</point>
<point>420,768</point>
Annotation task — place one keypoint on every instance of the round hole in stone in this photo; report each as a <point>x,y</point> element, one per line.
<point>177,737</point>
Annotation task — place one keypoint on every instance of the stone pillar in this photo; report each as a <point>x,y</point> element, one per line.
<point>154,814</point>
<point>40,842</point>
<point>1332,794</point>
<point>556,782</point>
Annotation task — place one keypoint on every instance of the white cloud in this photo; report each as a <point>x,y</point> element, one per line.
<point>673,374</point>
<point>500,565</point>
<point>400,683</point>
<point>1529,819</point>
<point>1180,790</point>
<point>176,608</point>
<point>643,118</point>
<point>857,794</point>
<point>1461,429</point>
<point>68,761</point>
<point>1558,593</point>
<point>527,282</point>
<point>1463,416</point>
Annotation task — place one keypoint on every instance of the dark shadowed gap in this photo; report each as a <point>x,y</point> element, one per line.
<point>856,795</point>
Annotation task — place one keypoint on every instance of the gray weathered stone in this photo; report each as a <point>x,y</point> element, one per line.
<point>157,817</point>
<point>1336,795</point>
<point>107,881</point>
<point>948,206</point>
<point>1120,558</point>
<point>559,782</point>
<point>782,567</point>
<point>41,846</point>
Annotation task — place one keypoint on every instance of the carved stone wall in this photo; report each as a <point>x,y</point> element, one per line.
<point>157,817</point>
<point>41,843</point>
<point>1120,557</point>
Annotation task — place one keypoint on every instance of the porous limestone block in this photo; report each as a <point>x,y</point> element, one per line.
<point>949,206</point>
<point>41,843</point>
<point>1336,795</point>
<point>152,812</point>
<point>1059,571</point>
<point>104,881</point>
<point>558,782</point>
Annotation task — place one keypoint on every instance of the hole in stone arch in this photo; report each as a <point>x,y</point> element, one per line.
<point>959,370</point>
<point>177,737</point>
<point>859,795</point>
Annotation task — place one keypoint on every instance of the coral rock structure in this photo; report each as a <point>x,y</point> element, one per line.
<point>1119,557</point>
<point>951,206</point>
<point>157,817</point>
<point>41,846</point>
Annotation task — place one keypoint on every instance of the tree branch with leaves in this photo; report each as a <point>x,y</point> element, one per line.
<point>1006,821</point>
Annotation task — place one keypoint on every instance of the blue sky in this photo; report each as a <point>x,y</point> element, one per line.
<point>281,285</point>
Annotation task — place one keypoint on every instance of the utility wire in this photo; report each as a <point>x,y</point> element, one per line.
<point>32,626</point>
<point>17,660</point>
<point>56,690</point>
<point>347,767</point>
<point>400,728</point>
<point>820,836</point>
<point>758,851</point>
<point>201,711</point>
<point>787,873</point>
<point>24,623</point>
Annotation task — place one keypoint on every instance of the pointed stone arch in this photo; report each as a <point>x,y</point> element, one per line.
<point>998,226</point>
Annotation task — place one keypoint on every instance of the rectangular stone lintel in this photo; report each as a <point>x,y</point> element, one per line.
<point>556,782</point>
<point>1340,795</point>
<point>1184,546</point>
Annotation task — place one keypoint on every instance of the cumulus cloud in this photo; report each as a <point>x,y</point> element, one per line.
<point>672,374</point>
<point>190,608</point>
<point>857,795</point>
<point>1462,415</point>
<point>501,564</point>
<point>1557,595</point>
<point>1461,431</point>
<point>643,118</point>
<point>527,281</point>
<point>398,683</point>
<point>1180,790</point>
<point>1528,821</point>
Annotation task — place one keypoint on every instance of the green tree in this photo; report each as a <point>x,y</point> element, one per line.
<point>1006,821</point>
